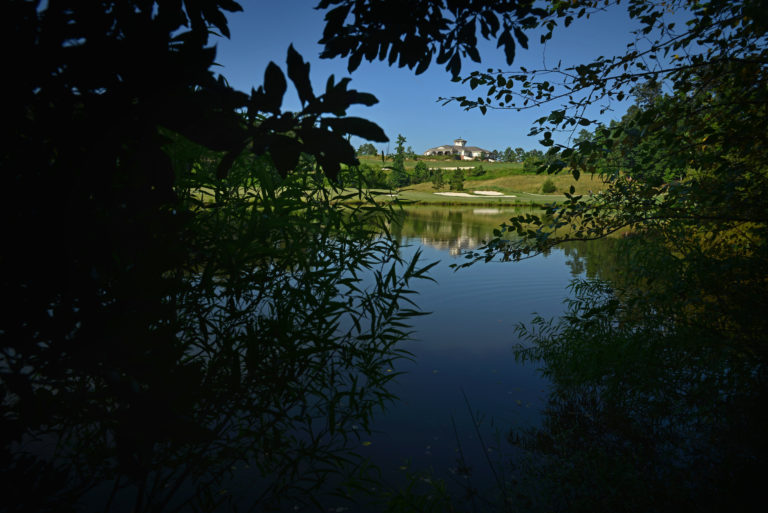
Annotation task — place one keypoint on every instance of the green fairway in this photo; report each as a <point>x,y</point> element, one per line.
<point>414,196</point>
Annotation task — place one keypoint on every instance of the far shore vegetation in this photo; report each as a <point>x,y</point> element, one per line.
<point>511,183</point>
<point>505,177</point>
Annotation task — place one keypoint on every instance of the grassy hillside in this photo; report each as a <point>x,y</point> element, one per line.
<point>504,177</point>
<point>532,183</point>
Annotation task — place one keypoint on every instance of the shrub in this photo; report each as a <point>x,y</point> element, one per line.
<point>456,182</point>
<point>477,171</point>
<point>548,186</point>
<point>420,173</point>
<point>437,179</point>
<point>532,162</point>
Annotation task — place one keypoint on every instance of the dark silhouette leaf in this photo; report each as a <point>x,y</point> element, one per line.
<point>298,72</point>
<point>285,152</point>
<point>521,37</point>
<point>274,88</point>
<point>226,162</point>
<point>359,127</point>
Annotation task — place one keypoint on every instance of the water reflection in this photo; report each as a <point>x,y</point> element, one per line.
<point>465,346</point>
<point>453,229</point>
<point>657,402</point>
<point>648,404</point>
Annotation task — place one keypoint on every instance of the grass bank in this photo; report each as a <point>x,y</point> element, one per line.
<point>504,177</point>
<point>422,197</point>
<point>518,189</point>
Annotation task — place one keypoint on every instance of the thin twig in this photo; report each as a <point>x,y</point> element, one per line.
<point>499,483</point>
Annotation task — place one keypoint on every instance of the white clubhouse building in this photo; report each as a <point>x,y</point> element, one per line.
<point>459,149</point>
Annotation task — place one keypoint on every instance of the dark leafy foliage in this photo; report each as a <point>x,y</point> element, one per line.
<point>413,33</point>
<point>186,294</point>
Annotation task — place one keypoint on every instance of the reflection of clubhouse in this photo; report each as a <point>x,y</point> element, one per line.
<point>454,246</point>
<point>458,149</point>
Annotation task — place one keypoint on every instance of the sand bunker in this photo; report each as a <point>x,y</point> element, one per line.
<point>478,194</point>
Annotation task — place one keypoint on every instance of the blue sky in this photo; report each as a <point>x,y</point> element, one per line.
<point>407,103</point>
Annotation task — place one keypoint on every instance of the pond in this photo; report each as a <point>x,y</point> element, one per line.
<point>463,389</point>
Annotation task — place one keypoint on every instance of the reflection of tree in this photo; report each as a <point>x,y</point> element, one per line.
<point>599,260</point>
<point>659,388</point>
<point>576,262</point>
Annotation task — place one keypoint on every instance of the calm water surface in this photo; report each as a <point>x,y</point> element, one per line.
<point>464,348</point>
